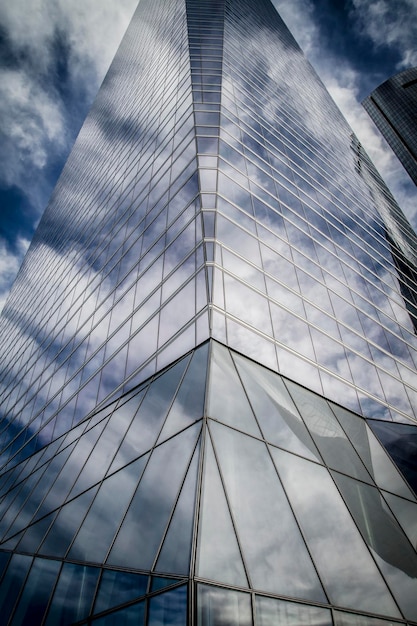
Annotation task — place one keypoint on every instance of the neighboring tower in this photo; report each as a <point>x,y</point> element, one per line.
<point>211,335</point>
<point>393,108</point>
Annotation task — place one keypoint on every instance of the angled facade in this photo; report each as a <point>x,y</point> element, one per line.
<point>393,108</point>
<point>208,372</point>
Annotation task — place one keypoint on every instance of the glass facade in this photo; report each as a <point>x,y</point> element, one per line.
<point>393,108</point>
<point>208,376</point>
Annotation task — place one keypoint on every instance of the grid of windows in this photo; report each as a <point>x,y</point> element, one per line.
<point>392,106</point>
<point>215,198</point>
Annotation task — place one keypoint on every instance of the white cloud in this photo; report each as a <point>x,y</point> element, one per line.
<point>389,23</point>
<point>9,264</point>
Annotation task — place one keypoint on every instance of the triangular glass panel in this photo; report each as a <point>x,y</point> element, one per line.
<point>332,537</point>
<point>335,448</point>
<point>227,401</point>
<point>389,545</point>
<point>273,548</point>
<point>219,556</point>
<point>142,529</point>
<point>148,421</point>
<point>119,587</point>
<point>400,441</point>
<point>188,405</point>
<point>277,416</point>
<point>406,514</point>
<point>176,549</point>
<point>32,537</point>
<point>106,512</point>
<point>66,524</point>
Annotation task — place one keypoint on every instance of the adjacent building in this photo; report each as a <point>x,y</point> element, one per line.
<point>209,350</point>
<point>393,108</point>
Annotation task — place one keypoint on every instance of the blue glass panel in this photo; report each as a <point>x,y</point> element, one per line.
<point>119,587</point>
<point>73,595</point>
<point>130,616</point>
<point>12,583</point>
<point>37,590</point>
<point>158,582</point>
<point>169,608</point>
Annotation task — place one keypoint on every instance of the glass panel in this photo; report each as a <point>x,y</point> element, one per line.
<point>73,594</point>
<point>400,441</point>
<point>169,608</point>
<point>142,529</point>
<point>227,401</point>
<point>147,423</point>
<point>335,447</point>
<point>271,612</point>
<point>130,616</point>
<point>158,582</point>
<point>384,471</point>
<point>349,619</point>
<point>38,587</point>
<point>406,513</point>
<point>272,545</point>
<point>118,588</point>
<point>222,607</point>
<point>12,582</point>
<point>176,549</point>
<point>350,575</point>
<point>66,524</point>
<point>33,535</point>
<point>219,556</point>
<point>278,418</point>
<point>189,403</point>
<point>391,548</point>
<point>4,559</point>
<point>102,521</point>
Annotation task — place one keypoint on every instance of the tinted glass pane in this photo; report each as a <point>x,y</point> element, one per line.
<point>130,616</point>
<point>73,594</point>
<point>349,619</point>
<point>271,612</point>
<point>169,608</point>
<point>12,583</point>
<point>222,607</point>
<point>117,588</point>
<point>35,596</point>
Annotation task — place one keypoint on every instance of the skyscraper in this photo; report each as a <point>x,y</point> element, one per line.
<point>393,108</point>
<point>211,335</point>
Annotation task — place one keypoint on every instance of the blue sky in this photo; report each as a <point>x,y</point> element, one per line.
<point>54,57</point>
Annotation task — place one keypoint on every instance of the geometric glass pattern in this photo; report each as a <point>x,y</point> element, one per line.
<point>209,355</point>
<point>225,503</point>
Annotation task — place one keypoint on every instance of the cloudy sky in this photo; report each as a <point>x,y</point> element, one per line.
<point>54,54</point>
